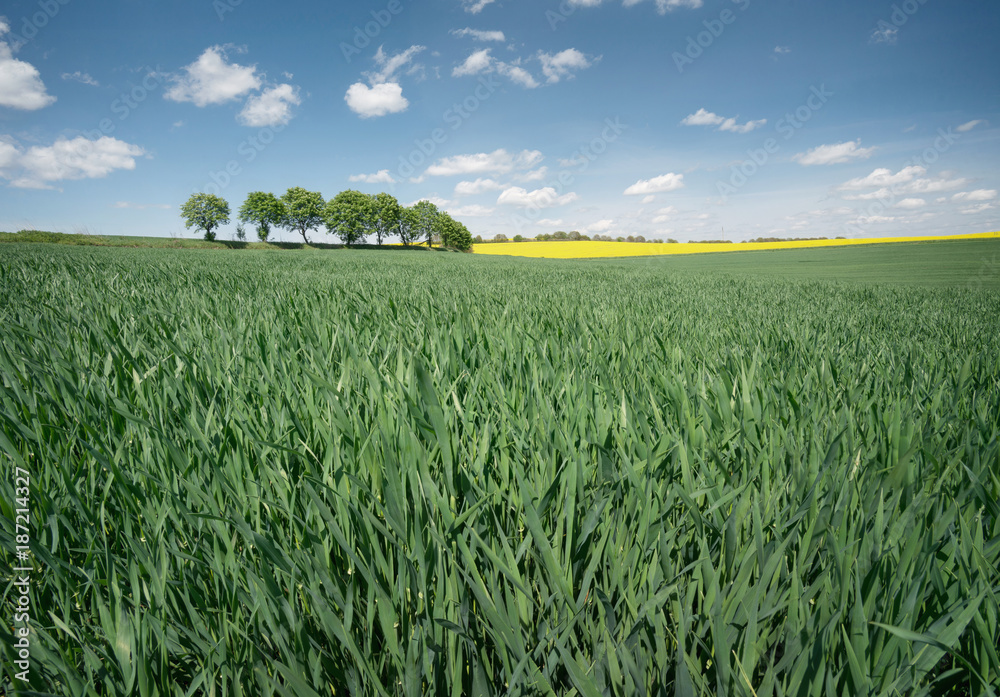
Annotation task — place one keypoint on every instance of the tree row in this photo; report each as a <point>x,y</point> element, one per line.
<point>352,216</point>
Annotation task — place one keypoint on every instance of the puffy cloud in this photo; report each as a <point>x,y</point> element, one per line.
<point>479,186</point>
<point>834,154</point>
<point>498,162</point>
<point>21,86</point>
<point>974,210</point>
<point>483,62</point>
<point>273,107</point>
<point>562,64</point>
<point>911,203</point>
<point>380,177</point>
<point>656,185</point>
<point>479,62</point>
<point>601,226</point>
<point>368,102</point>
<point>539,198</point>
<point>213,80</point>
<point>978,195</point>
<point>385,94</point>
<point>480,35</point>
<point>702,117</point>
<point>80,158</point>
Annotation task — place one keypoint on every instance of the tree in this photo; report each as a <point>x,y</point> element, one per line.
<point>427,215</point>
<point>303,211</point>
<point>385,216</point>
<point>499,237</point>
<point>519,238</point>
<point>453,233</point>
<point>264,211</point>
<point>205,212</point>
<point>349,215</point>
<point>408,226</point>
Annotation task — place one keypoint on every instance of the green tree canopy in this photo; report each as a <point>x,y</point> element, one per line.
<point>264,211</point>
<point>453,233</point>
<point>426,221</point>
<point>303,210</point>
<point>205,212</point>
<point>350,215</point>
<point>385,216</point>
<point>408,227</point>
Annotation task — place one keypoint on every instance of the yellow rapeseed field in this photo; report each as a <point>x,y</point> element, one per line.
<point>587,249</point>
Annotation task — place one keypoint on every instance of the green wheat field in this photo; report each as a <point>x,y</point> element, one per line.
<point>321,472</point>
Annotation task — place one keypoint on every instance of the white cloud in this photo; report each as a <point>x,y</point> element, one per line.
<point>497,162</point>
<point>834,154</point>
<point>475,6</point>
<point>702,117</point>
<point>380,177</point>
<point>649,199</point>
<point>83,78</point>
<point>213,80</point>
<point>479,186</point>
<point>782,50</point>
<point>473,211</point>
<point>480,35</point>
<point>368,102</point>
<point>436,200</point>
<point>273,107</point>
<point>21,86</point>
<point>887,35</point>
<point>884,177</point>
<point>385,95</point>
<point>550,222</point>
<point>981,208</point>
<point>911,203</point>
<point>979,195</point>
<point>79,158</point>
<point>600,226</point>
<point>483,62</point>
<point>479,62</point>
<point>517,74</point>
<point>534,175</point>
<point>539,198</point>
<point>966,127</point>
<point>562,64</point>
<point>656,185</point>
<point>932,186</point>
<point>390,65</point>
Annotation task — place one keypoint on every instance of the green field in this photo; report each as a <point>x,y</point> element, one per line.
<point>379,473</point>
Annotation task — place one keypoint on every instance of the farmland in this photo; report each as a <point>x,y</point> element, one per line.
<point>389,473</point>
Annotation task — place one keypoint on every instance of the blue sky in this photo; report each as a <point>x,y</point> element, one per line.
<point>662,118</point>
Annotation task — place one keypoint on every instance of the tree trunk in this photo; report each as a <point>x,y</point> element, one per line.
<point>303,233</point>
